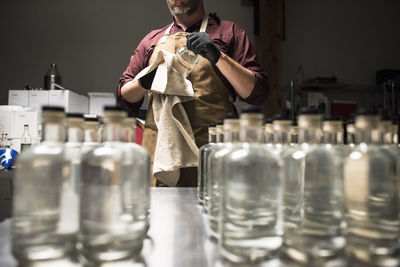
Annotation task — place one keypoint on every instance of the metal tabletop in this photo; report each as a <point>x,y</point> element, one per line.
<point>177,237</point>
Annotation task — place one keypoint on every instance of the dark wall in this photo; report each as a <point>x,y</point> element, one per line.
<point>91,41</point>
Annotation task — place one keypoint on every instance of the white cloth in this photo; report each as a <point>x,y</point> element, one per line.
<point>176,147</point>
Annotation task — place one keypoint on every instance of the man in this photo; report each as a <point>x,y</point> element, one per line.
<point>227,68</point>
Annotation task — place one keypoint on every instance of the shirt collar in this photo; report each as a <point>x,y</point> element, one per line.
<point>212,20</point>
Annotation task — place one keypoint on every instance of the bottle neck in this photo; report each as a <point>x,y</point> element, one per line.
<point>53,132</point>
<point>113,132</point>
<point>332,138</point>
<point>369,137</point>
<point>231,130</point>
<point>282,138</point>
<point>75,135</point>
<point>310,135</point>
<point>251,128</point>
<point>90,135</point>
<point>129,135</point>
<point>212,135</point>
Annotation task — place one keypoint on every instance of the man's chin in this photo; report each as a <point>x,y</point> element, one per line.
<point>181,12</point>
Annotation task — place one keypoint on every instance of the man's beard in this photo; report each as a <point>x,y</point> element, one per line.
<point>185,9</point>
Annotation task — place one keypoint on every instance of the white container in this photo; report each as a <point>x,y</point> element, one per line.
<point>13,119</point>
<point>18,97</point>
<point>97,102</point>
<point>37,99</point>
<point>71,101</point>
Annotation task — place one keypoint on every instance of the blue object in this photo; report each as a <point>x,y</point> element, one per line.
<point>7,157</point>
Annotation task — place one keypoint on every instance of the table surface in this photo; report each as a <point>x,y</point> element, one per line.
<point>177,237</point>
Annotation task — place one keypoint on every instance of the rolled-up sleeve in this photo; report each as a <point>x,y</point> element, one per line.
<point>243,52</point>
<point>137,63</point>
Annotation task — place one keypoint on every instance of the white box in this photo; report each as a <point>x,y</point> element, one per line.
<point>13,119</point>
<point>38,98</point>
<point>18,97</point>
<point>7,120</point>
<point>84,104</point>
<point>97,102</point>
<point>72,102</point>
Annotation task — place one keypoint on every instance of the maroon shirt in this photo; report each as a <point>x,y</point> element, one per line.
<point>230,39</point>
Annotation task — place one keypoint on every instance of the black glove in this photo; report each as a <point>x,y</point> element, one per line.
<point>201,43</point>
<point>147,80</point>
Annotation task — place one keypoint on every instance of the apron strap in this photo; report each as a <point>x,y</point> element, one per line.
<point>164,38</point>
<point>203,28</point>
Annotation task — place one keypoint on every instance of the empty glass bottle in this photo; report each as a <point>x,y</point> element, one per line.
<point>351,133</point>
<point>216,169</point>
<point>371,181</point>
<point>26,140</point>
<point>294,133</point>
<point>203,153</point>
<point>312,196</point>
<point>251,227</point>
<point>110,228</point>
<point>136,186</point>
<point>69,220</point>
<point>268,132</point>
<point>90,126</point>
<point>36,231</point>
<point>7,143</point>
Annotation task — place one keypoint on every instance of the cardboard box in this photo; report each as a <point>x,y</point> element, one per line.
<point>18,97</point>
<point>97,101</point>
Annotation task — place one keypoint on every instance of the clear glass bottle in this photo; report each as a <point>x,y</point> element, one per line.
<point>268,132</point>
<point>184,61</point>
<point>90,127</point>
<point>2,143</point>
<point>38,181</point>
<point>350,134</point>
<point>7,143</point>
<point>69,220</point>
<point>26,140</point>
<point>294,133</point>
<point>215,164</point>
<point>109,226</point>
<point>312,196</point>
<point>371,182</point>
<point>136,183</point>
<point>202,167</point>
<point>251,221</point>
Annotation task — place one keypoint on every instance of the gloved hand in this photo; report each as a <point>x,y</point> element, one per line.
<point>147,80</point>
<point>201,43</point>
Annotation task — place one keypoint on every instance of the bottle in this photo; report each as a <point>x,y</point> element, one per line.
<point>203,153</point>
<point>109,227</point>
<point>294,133</point>
<point>216,170</point>
<point>2,141</point>
<point>136,183</point>
<point>52,78</point>
<point>268,132</point>
<point>372,195</point>
<point>69,217</point>
<point>90,127</point>
<point>313,215</point>
<point>7,143</point>
<point>184,61</point>
<point>26,140</point>
<point>351,133</point>
<point>37,189</point>
<point>220,132</point>
<point>251,221</point>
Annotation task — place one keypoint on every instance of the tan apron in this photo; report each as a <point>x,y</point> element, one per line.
<point>211,102</point>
